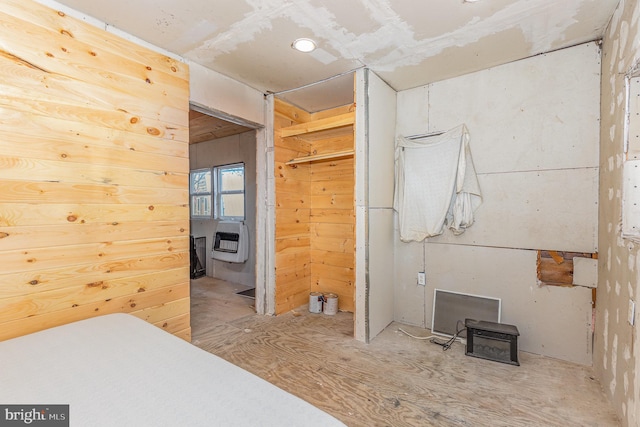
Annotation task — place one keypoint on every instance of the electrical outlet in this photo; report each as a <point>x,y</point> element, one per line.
<point>632,312</point>
<point>422,278</point>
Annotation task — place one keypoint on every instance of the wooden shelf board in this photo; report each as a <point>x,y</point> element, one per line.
<point>327,156</point>
<point>341,120</point>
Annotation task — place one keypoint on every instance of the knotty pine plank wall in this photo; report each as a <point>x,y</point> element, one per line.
<point>293,211</point>
<point>94,215</point>
<point>315,217</point>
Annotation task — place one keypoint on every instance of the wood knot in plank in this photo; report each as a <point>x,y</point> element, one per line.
<point>153,131</point>
<point>66,33</point>
<point>95,284</point>
<point>3,235</point>
<point>151,208</point>
<point>34,282</point>
<point>134,120</point>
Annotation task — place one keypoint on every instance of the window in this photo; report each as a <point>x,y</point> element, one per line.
<point>229,192</point>
<point>200,193</point>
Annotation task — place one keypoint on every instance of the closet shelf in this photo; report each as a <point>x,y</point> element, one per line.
<point>327,156</point>
<point>319,125</point>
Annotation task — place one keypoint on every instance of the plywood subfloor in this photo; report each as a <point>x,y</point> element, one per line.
<point>395,380</point>
<point>215,302</point>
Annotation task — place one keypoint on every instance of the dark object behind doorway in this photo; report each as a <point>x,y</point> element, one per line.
<point>198,253</point>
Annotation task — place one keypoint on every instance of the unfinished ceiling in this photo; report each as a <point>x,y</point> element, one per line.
<point>408,43</point>
<point>203,127</point>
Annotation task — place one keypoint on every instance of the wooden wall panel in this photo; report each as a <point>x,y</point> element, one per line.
<point>333,230</point>
<point>94,165</point>
<point>293,263</point>
<point>315,221</point>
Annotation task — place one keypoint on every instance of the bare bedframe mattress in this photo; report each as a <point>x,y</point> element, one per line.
<point>118,370</point>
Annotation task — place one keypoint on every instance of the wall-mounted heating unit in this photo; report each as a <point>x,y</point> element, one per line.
<point>231,242</point>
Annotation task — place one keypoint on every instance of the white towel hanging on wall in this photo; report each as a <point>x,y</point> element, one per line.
<point>435,183</point>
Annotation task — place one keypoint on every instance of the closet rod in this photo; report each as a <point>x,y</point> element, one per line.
<point>424,135</point>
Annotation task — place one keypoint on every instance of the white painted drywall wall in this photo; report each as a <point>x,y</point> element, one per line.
<point>219,93</point>
<point>534,128</point>
<point>381,112</point>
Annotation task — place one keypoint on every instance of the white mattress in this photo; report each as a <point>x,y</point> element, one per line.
<point>118,370</point>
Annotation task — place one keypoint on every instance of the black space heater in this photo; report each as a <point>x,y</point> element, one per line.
<point>492,341</point>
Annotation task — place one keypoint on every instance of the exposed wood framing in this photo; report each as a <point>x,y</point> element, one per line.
<point>555,268</point>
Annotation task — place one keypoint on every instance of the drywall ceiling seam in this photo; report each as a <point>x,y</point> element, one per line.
<point>505,19</point>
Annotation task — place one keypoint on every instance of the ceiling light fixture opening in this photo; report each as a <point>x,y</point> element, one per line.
<point>304,45</point>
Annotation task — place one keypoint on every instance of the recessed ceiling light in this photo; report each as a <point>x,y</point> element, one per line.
<point>304,45</point>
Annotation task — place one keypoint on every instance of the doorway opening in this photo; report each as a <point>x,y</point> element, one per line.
<point>216,141</point>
